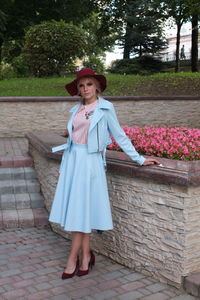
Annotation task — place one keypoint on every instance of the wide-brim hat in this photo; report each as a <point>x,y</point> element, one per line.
<point>85,72</point>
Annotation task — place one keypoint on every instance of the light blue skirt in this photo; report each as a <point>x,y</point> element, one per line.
<point>81,201</point>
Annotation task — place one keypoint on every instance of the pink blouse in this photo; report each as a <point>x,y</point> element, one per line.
<point>81,123</point>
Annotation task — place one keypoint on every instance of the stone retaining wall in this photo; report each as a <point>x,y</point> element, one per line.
<point>156,217</point>
<point>19,115</point>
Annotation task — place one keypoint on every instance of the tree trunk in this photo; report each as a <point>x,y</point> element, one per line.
<point>177,66</point>
<point>1,44</point>
<point>140,51</point>
<point>194,54</point>
<point>127,44</point>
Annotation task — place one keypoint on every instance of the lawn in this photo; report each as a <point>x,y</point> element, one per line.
<point>184,83</point>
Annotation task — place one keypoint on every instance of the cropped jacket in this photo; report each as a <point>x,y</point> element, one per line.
<point>104,123</point>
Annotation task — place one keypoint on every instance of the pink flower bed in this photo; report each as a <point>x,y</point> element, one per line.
<point>170,142</point>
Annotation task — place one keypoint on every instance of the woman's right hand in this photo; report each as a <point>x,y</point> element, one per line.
<point>65,133</point>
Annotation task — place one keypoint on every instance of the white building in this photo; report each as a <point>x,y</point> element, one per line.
<point>169,54</point>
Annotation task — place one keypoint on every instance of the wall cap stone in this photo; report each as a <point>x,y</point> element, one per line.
<point>184,173</point>
<point>111,98</point>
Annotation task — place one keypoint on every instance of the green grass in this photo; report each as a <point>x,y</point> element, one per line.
<point>184,83</point>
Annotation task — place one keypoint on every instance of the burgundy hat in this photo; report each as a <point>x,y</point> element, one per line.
<point>85,72</point>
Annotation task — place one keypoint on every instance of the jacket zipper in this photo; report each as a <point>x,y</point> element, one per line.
<point>98,135</point>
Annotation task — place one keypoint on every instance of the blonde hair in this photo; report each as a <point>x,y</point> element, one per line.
<point>96,82</point>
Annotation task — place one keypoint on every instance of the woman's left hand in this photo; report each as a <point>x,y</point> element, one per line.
<point>151,161</point>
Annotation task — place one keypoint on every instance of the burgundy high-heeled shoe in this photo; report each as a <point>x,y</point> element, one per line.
<point>70,275</point>
<point>90,265</point>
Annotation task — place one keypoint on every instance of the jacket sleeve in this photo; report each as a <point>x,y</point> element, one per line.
<point>120,137</point>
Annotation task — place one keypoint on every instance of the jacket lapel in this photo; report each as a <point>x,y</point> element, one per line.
<point>98,113</point>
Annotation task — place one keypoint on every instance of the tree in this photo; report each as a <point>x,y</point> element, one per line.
<point>195,34</point>
<point>144,32</point>
<point>51,47</point>
<point>194,13</point>
<point>178,10</point>
<point>2,22</point>
<point>2,28</point>
<point>20,15</point>
<point>99,37</point>
<point>128,18</point>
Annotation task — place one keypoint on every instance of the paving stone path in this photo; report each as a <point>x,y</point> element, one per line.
<point>32,260</point>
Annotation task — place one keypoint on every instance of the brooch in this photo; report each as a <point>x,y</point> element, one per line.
<point>88,114</point>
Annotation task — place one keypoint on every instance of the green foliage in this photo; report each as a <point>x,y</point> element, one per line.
<point>10,49</point>
<point>2,23</point>
<point>145,65</point>
<point>18,15</point>
<point>151,64</point>
<point>125,66</point>
<point>6,71</point>
<point>20,66</point>
<point>144,32</point>
<point>51,47</point>
<point>22,14</point>
<point>99,36</point>
<point>94,63</point>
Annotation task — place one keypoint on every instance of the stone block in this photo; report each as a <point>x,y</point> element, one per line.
<point>37,200</point>
<point>10,218</point>
<point>192,284</point>
<point>40,216</point>
<point>17,173</point>
<point>22,161</point>
<point>19,186</point>
<point>22,201</point>
<point>6,187</point>
<point>33,186</point>
<point>30,173</point>
<point>5,173</point>
<point>8,201</point>
<point>6,162</point>
<point>26,218</point>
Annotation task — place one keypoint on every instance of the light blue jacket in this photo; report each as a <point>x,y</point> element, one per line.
<point>104,123</point>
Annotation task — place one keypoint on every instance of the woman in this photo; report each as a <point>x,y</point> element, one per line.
<point>81,200</point>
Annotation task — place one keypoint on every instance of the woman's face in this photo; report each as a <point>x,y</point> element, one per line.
<point>87,89</point>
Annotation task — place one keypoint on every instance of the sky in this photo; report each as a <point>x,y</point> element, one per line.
<point>116,54</point>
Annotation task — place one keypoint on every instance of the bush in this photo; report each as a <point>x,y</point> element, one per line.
<point>125,66</point>
<point>51,47</point>
<point>151,64</point>
<point>94,63</point>
<point>10,49</point>
<point>6,71</point>
<point>20,66</point>
<point>144,65</point>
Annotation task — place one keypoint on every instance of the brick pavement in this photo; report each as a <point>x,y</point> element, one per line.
<point>32,260</point>
<point>21,204</point>
<point>13,146</point>
<point>13,153</point>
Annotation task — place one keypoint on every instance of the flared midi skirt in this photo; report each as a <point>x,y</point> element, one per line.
<point>81,201</point>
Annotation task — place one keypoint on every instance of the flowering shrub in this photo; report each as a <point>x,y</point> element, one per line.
<point>6,71</point>
<point>169,142</point>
